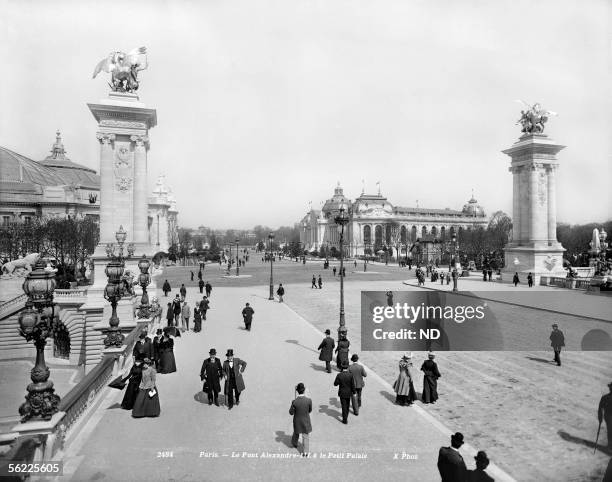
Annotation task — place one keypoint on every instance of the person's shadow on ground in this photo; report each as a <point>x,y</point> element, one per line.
<point>335,414</point>
<point>538,359</point>
<point>201,397</point>
<point>587,443</point>
<point>295,342</point>
<point>389,396</point>
<point>113,406</point>
<point>284,438</point>
<point>318,368</point>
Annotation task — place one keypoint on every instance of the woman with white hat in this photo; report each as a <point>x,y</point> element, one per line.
<point>403,386</point>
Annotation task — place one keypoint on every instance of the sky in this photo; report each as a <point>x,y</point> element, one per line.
<point>263,106</point>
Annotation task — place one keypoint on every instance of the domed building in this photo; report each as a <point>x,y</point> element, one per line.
<point>375,223</point>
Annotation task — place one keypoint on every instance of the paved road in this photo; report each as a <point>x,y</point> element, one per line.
<point>280,351</point>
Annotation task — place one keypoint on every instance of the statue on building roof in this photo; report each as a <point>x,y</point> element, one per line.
<point>533,119</point>
<point>124,69</point>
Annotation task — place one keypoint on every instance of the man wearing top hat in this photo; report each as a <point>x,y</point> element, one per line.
<point>300,409</point>
<point>211,374</point>
<point>247,316</point>
<point>358,372</point>
<point>557,340</point>
<point>346,389</point>
<point>450,462</point>
<point>479,474</point>
<point>234,384</point>
<point>327,350</point>
<point>605,413</point>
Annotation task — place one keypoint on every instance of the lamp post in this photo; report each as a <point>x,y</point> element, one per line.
<point>342,220</point>
<point>454,274</point>
<point>417,244</point>
<point>36,323</point>
<point>270,239</point>
<point>144,280</point>
<point>237,260</point>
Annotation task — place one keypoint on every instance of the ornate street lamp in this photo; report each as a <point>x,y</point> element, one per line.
<point>455,274</point>
<point>143,280</point>
<point>237,260</point>
<point>417,244</point>
<point>270,239</point>
<point>36,323</point>
<point>342,220</point>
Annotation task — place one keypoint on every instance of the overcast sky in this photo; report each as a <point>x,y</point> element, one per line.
<point>264,106</point>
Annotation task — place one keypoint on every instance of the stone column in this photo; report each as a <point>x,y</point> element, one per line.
<point>534,218</point>
<point>107,231</point>
<point>140,189</point>
<point>524,205</point>
<point>552,206</point>
<point>516,207</point>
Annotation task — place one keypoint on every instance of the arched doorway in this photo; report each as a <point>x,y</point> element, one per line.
<point>378,236</point>
<point>61,341</point>
<point>424,231</point>
<point>403,235</point>
<point>367,235</point>
<point>413,235</point>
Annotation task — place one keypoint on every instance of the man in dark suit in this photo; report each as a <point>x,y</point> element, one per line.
<point>327,350</point>
<point>234,384</point>
<point>358,373</point>
<point>204,307</point>
<point>557,340</point>
<point>450,462</point>
<point>604,412</point>
<point>211,374</point>
<point>346,389</point>
<point>247,316</point>
<point>300,409</point>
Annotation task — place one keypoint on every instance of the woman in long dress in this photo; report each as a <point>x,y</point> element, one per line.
<point>430,380</point>
<point>135,377</point>
<point>403,386</point>
<point>197,319</point>
<point>167,363</point>
<point>342,351</point>
<point>147,400</point>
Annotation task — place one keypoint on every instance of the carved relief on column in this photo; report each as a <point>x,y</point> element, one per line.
<point>123,168</point>
<point>140,140</point>
<point>105,138</point>
<point>552,204</point>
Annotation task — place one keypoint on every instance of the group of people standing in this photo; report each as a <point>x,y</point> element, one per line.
<point>212,372</point>
<point>404,386</point>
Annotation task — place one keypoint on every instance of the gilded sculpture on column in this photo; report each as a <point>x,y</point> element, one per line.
<point>124,69</point>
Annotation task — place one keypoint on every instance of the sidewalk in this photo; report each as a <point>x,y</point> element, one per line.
<point>213,443</point>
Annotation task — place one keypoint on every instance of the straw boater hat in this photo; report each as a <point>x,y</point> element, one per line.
<point>407,357</point>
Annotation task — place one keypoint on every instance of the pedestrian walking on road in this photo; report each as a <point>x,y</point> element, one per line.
<point>211,374</point>
<point>515,279</point>
<point>430,379</point>
<point>442,277</point>
<point>280,292</point>
<point>334,271</point>
<point>200,273</point>
<point>314,282</point>
<point>604,412</point>
<point>490,274</point>
<point>204,306</point>
<point>208,290</point>
<point>183,292</point>
<point>247,316</point>
<point>176,309</point>
<point>557,340</point>
<point>300,408</point>
<point>197,319</point>
<point>234,384</point>
<point>170,315</point>
<point>479,474</point>
<point>185,315</point>
<point>530,280</point>
<point>346,389</point>
<point>320,282</point>
<point>403,386</point>
<point>135,376</point>
<point>147,400</point>
<point>166,288</point>
<point>201,285</point>
<point>359,373</point>
<point>450,462</point>
<point>327,350</point>
<point>192,276</point>
<point>342,350</point>
<point>167,362</point>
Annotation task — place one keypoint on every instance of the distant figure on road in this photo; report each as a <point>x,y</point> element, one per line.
<point>359,373</point>
<point>430,379</point>
<point>166,288</point>
<point>167,362</point>
<point>355,263</point>
<point>183,292</point>
<point>280,292</point>
<point>450,462</point>
<point>442,277</point>
<point>234,384</point>
<point>204,306</point>
<point>192,276</point>
<point>334,271</point>
<point>201,285</point>
<point>327,350</point>
<point>247,316</point>
<point>170,315</point>
<point>403,386</point>
<point>197,319</point>
<point>314,282</point>
<point>208,290</point>
<point>530,280</point>
<point>211,374</point>
<point>604,412</point>
<point>490,273</point>
<point>479,474</point>
<point>515,279</point>
<point>300,409</point>
<point>557,340</point>
<point>346,389</point>
<point>320,282</point>
<point>200,273</point>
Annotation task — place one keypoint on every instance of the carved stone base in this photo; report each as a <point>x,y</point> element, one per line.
<point>41,402</point>
<point>113,338</point>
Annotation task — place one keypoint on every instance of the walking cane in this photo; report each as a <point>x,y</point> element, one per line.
<point>597,438</point>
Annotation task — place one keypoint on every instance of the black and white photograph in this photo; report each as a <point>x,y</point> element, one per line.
<point>306,240</point>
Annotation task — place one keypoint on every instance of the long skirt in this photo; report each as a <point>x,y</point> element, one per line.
<point>197,324</point>
<point>167,363</point>
<point>146,406</point>
<point>341,356</point>
<point>131,392</point>
<point>430,389</point>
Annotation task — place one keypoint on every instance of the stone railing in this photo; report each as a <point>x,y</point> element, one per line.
<point>10,306</point>
<point>60,295</point>
<point>569,283</point>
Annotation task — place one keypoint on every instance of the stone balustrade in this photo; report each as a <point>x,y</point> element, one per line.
<point>10,306</point>
<point>569,283</point>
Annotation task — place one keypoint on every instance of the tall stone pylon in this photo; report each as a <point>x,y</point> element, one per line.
<point>534,247</point>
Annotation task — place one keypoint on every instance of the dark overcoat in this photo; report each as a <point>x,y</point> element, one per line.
<point>247,313</point>
<point>327,349</point>
<point>358,373</point>
<point>451,465</point>
<point>239,366</point>
<point>300,409</point>
<point>345,383</point>
<point>212,373</point>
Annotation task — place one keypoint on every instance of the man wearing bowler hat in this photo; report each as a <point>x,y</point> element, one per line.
<point>346,389</point>
<point>557,340</point>
<point>247,316</point>
<point>327,350</point>
<point>479,474</point>
<point>211,374</point>
<point>234,384</point>
<point>300,409</point>
<point>358,372</point>
<point>450,462</point>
